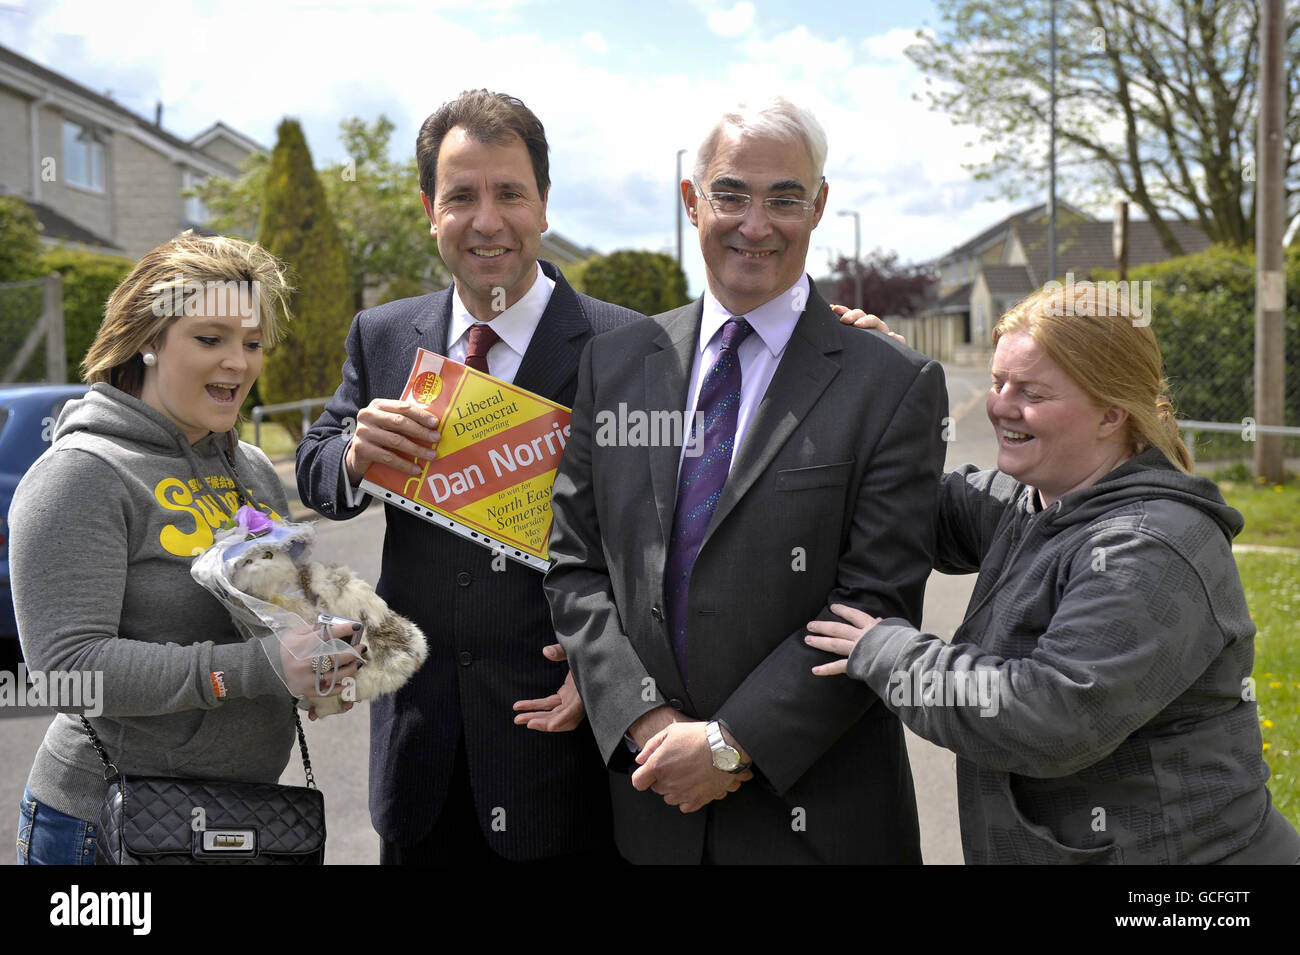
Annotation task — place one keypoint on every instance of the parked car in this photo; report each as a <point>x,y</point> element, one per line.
<point>27,417</point>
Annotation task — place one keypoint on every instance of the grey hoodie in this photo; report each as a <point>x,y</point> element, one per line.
<point>102,532</point>
<point>1104,657</point>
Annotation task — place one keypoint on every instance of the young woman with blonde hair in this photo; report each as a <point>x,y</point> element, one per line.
<point>104,527</point>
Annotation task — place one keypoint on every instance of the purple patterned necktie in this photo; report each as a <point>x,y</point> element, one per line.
<point>700,485</point>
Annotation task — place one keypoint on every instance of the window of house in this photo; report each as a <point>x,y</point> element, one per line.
<point>83,156</point>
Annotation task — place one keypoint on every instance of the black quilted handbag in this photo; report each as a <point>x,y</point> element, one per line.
<point>155,820</point>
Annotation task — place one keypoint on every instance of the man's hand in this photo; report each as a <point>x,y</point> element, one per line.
<point>835,637</point>
<point>678,765</point>
<point>559,713</point>
<point>860,319</point>
<point>650,724</point>
<point>392,432</point>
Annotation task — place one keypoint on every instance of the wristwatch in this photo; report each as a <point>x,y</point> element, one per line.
<point>725,758</point>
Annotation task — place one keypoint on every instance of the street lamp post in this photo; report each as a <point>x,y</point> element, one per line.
<point>857,255</point>
<point>680,153</point>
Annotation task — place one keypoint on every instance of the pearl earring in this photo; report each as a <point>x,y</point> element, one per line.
<point>149,358</point>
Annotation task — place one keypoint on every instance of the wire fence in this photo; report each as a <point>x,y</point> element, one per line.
<point>1214,398</point>
<point>21,312</point>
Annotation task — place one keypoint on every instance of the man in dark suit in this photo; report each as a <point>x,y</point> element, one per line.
<point>455,774</point>
<point>682,578</point>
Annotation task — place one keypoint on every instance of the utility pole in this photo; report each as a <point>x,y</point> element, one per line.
<point>857,254</point>
<point>1270,288</point>
<point>1051,158</point>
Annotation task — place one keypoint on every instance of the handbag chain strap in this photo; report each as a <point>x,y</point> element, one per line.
<point>111,773</point>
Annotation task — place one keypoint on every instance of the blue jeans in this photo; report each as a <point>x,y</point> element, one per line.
<point>49,837</point>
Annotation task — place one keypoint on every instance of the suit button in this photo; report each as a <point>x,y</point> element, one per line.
<point>675,704</point>
<point>463,579</point>
<point>465,658</point>
<point>656,613</point>
<point>327,508</point>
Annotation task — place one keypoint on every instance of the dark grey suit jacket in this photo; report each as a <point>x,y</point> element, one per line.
<point>486,628</point>
<point>830,499</point>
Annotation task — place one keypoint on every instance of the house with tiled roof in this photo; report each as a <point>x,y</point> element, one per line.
<point>97,175</point>
<point>983,277</point>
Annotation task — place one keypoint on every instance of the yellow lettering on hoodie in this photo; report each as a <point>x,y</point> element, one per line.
<point>172,494</point>
<point>212,511</point>
<point>207,513</point>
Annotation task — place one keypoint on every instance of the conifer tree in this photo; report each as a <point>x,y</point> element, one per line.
<point>296,225</point>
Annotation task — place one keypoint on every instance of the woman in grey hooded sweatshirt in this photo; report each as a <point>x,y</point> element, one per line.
<point>1098,692</point>
<point>104,527</point>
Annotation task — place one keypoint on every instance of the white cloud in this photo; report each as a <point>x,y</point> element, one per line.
<point>733,22</point>
<point>614,128</point>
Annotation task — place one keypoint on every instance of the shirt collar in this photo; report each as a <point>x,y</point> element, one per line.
<point>773,321</point>
<point>517,323</point>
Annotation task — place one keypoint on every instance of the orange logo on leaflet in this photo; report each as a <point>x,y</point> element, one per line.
<point>426,388</point>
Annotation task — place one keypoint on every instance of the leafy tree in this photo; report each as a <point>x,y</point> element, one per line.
<point>235,206</point>
<point>888,287</point>
<point>297,226</point>
<point>375,202</point>
<point>1157,99</point>
<point>646,282</point>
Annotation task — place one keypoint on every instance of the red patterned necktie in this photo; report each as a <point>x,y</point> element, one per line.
<point>481,339</point>
<point>700,485</point>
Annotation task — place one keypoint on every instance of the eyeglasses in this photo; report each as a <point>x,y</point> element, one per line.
<point>730,205</point>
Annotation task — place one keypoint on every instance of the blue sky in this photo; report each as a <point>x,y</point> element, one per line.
<point>619,86</point>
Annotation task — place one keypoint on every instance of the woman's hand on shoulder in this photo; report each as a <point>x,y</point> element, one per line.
<point>860,319</point>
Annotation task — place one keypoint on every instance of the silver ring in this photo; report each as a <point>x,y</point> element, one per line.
<point>322,664</point>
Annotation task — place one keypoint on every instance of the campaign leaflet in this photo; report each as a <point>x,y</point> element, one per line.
<point>500,446</point>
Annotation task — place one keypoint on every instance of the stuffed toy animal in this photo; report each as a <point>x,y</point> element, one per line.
<point>392,648</point>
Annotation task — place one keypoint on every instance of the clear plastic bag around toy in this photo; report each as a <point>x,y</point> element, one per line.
<point>265,556</point>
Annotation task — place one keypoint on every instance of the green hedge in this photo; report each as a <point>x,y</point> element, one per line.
<point>1204,318</point>
<point>646,282</point>
<point>88,280</point>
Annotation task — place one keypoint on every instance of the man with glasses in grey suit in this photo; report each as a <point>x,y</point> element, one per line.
<point>683,574</point>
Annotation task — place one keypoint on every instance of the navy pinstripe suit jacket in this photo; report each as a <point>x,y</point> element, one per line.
<point>486,628</point>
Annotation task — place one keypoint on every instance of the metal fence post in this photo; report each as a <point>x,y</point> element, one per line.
<point>56,351</point>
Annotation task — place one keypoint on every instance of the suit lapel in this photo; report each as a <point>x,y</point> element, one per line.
<point>804,373</point>
<point>667,371</point>
<point>551,361</point>
<point>431,327</point>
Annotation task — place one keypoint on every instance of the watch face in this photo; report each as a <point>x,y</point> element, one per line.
<point>726,759</point>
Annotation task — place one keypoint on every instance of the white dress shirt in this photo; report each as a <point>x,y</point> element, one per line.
<point>515,326</point>
<point>773,323</point>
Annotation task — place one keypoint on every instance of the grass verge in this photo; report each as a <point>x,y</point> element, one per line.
<point>1272,585</point>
